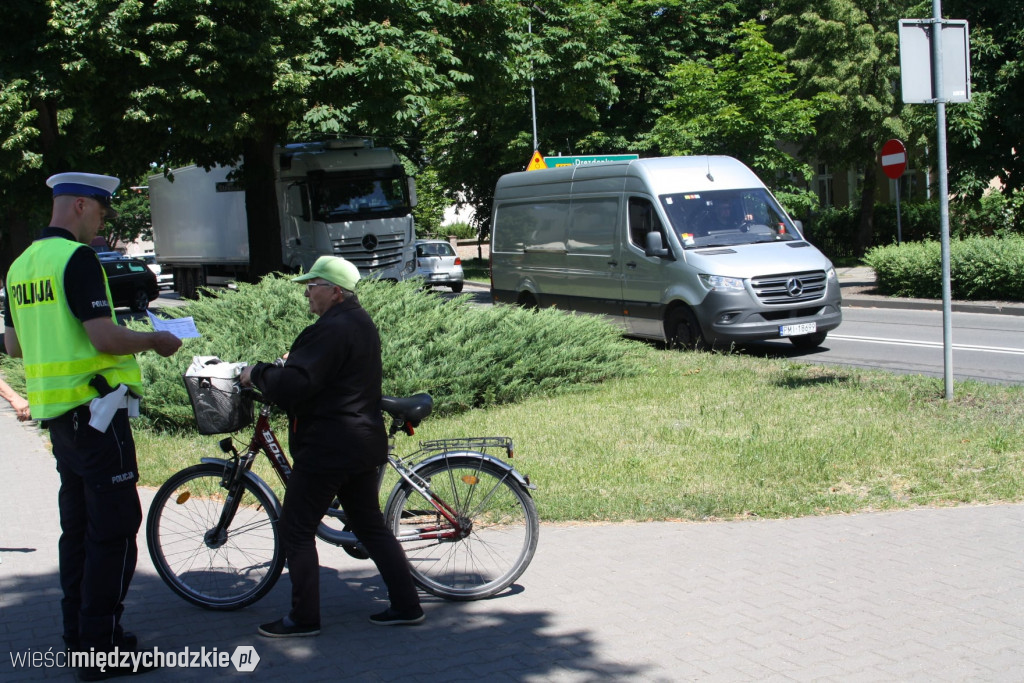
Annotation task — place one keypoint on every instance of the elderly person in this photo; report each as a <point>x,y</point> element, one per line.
<point>330,385</point>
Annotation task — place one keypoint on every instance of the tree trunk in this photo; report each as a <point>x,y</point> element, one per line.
<point>866,225</point>
<point>16,237</point>
<point>261,204</point>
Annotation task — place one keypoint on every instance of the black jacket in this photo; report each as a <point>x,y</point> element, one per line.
<point>331,388</point>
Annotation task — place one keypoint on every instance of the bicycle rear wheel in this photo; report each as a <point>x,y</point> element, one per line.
<point>500,528</point>
<point>220,572</point>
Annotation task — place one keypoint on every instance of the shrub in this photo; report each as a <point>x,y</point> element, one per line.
<point>466,356</point>
<point>980,268</point>
<point>834,230</point>
<point>912,269</point>
<point>461,230</point>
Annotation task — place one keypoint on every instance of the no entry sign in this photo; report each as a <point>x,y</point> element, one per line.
<point>894,158</point>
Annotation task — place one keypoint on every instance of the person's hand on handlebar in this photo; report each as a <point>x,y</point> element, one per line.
<point>245,377</point>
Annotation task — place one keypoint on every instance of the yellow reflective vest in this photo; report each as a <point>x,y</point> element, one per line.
<point>58,356</point>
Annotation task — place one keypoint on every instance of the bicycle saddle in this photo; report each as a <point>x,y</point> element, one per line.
<point>410,409</point>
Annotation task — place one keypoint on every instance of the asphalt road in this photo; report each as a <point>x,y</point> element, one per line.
<point>986,347</point>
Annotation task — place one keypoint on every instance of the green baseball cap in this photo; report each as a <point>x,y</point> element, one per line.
<point>335,270</point>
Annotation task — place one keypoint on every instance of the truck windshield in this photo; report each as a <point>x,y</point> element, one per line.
<point>348,196</point>
<point>726,218</point>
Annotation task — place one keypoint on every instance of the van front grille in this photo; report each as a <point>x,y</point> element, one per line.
<point>789,288</point>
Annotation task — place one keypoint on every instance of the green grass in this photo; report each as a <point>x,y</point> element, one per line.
<point>477,270</point>
<point>709,436</point>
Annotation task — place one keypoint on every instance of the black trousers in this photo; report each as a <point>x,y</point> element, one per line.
<point>306,499</point>
<point>100,516</point>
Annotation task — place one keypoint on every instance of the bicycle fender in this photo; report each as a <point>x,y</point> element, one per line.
<point>252,478</point>
<point>520,479</point>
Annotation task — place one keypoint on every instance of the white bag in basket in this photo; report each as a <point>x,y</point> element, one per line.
<point>211,366</point>
<point>216,401</point>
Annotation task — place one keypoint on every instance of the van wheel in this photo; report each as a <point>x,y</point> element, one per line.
<point>682,331</point>
<point>457,287</point>
<point>809,341</point>
<point>527,300</point>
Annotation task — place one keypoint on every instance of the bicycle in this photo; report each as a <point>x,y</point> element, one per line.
<point>465,517</point>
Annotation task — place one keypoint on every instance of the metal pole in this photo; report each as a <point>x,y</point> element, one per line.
<point>899,220</point>
<point>940,111</point>
<point>533,93</point>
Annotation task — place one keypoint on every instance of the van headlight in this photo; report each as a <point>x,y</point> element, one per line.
<point>721,283</point>
<point>830,273</point>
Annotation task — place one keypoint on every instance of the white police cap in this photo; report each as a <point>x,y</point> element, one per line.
<point>99,187</point>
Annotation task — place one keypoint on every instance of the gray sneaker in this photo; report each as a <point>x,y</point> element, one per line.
<point>392,617</point>
<point>278,629</point>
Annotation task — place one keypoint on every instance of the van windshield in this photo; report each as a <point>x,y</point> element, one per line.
<point>726,218</point>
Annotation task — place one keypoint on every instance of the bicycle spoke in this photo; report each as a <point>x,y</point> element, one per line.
<point>498,535</point>
<point>225,570</point>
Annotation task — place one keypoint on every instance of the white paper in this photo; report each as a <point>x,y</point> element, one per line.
<point>182,328</point>
<point>102,409</point>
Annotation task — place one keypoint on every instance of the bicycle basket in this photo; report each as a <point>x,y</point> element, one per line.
<point>218,403</point>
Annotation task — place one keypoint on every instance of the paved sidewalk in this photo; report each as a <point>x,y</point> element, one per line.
<point>919,595</point>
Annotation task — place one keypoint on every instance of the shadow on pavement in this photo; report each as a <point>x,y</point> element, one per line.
<point>478,641</point>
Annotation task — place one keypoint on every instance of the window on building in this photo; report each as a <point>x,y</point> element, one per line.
<point>823,185</point>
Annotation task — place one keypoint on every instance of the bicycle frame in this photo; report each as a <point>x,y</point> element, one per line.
<point>265,440</point>
<point>465,517</point>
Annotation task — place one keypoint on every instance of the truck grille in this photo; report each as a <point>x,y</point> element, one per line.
<point>789,288</point>
<point>386,251</point>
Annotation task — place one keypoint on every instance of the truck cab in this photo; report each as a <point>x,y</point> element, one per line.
<point>348,199</point>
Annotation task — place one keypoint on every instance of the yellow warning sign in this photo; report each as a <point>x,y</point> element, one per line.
<point>537,162</point>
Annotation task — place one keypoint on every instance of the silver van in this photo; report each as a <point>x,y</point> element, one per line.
<point>689,250</point>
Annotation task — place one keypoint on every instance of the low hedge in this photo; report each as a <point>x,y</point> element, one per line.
<point>466,356</point>
<point>835,230</point>
<point>981,268</point>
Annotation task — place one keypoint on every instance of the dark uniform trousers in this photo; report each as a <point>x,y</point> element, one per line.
<point>306,499</point>
<point>100,516</point>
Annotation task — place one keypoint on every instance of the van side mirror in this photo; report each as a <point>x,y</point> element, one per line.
<point>799,226</point>
<point>654,246</point>
<point>412,191</point>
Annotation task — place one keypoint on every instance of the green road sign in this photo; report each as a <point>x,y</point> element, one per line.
<point>556,162</point>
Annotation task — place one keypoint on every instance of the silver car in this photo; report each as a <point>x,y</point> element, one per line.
<point>438,264</point>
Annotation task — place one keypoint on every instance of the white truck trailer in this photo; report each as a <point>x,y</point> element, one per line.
<point>340,197</point>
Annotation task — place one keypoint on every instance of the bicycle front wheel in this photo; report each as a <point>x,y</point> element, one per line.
<point>499,526</point>
<point>219,570</point>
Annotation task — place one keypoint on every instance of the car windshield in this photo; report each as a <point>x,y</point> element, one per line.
<point>346,197</point>
<point>434,249</point>
<point>726,218</point>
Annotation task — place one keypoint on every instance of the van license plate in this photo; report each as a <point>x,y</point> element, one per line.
<point>796,330</point>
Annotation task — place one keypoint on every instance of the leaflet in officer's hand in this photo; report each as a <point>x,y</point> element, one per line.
<point>182,328</point>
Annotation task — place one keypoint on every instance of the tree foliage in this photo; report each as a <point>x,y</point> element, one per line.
<point>116,86</point>
<point>988,136</point>
<point>742,104</point>
<point>568,53</point>
<point>847,48</point>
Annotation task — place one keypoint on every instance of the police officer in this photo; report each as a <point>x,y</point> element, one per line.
<point>60,320</point>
